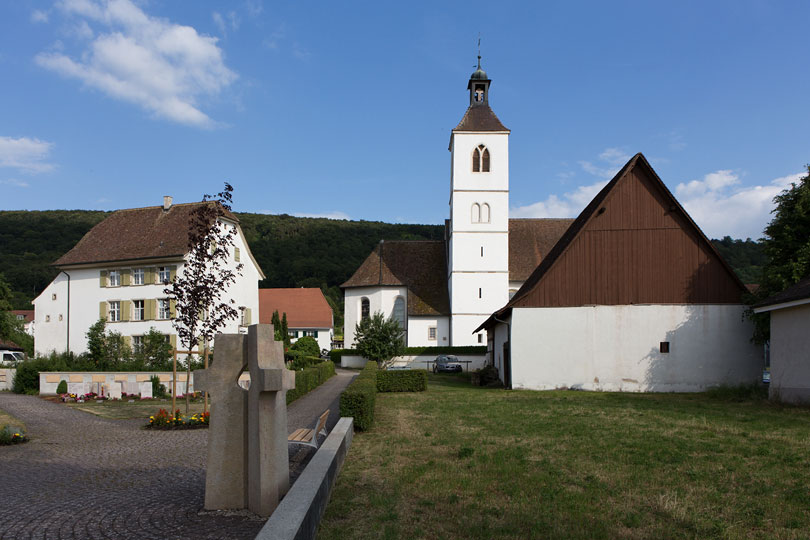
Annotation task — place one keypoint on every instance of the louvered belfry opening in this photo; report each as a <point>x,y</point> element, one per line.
<point>480,160</point>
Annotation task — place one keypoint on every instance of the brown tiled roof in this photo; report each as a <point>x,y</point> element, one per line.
<point>799,291</point>
<point>480,118</point>
<point>530,240</point>
<point>136,233</point>
<point>28,314</point>
<point>10,346</point>
<point>305,308</point>
<point>419,265</point>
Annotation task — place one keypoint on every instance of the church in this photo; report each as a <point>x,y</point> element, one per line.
<point>629,296</point>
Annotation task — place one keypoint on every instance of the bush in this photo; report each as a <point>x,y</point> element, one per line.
<point>158,390</point>
<point>299,361</point>
<point>12,435</point>
<point>307,345</point>
<point>359,398</point>
<point>337,354</point>
<point>487,376</point>
<point>308,379</point>
<point>406,380</point>
<point>61,388</point>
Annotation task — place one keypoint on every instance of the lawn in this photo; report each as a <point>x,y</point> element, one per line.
<point>122,410</point>
<point>466,462</point>
<point>8,420</point>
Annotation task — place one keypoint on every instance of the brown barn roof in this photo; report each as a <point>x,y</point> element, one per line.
<point>136,233</point>
<point>28,314</point>
<point>798,291</point>
<point>530,240</point>
<point>419,265</point>
<point>305,307</point>
<point>480,118</point>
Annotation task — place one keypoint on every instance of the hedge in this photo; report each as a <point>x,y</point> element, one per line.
<point>308,379</point>
<point>337,354</point>
<point>359,398</point>
<point>406,380</point>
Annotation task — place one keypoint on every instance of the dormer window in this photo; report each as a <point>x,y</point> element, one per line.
<point>480,159</point>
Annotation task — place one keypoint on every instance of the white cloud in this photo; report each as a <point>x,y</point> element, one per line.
<point>329,215</point>
<point>720,206</point>
<point>613,159</point>
<point>254,7</point>
<point>14,182</point>
<point>159,65</point>
<point>24,154</point>
<point>39,16</point>
<point>224,25</point>
<point>568,205</point>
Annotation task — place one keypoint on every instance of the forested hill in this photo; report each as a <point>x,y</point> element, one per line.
<point>292,251</point>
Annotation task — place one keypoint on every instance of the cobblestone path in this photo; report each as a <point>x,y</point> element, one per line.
<point>86,477</point>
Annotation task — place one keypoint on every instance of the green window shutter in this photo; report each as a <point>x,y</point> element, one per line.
<point>173,341</point>
<point>148,310</point>
<point>172,273</point>
<point>102,310</point>
<point>172,308</point>
<point>126,307</point>
<point>102,278</point>
<point>236,254</point>
<point>316,334</point>
<point>247,317</point>
<point>128,341</point>
<point>149,276</point>
<point>295,333</point>
<point>125,277</point>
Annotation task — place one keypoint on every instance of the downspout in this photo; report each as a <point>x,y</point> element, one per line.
<point>67,344</point>
<point>509,340</point>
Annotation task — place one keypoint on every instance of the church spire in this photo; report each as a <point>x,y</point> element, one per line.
<point>479,85</point>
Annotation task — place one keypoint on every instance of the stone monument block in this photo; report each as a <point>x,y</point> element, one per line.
<point>114,390</point>
<point>145,389</point>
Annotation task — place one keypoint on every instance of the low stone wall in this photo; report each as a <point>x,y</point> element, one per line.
<point>130,381</point>
<point>7,378</point>
<point>469,362</point>
<point>301,510</point>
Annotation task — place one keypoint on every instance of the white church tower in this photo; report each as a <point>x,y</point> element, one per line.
<point>478,232</point>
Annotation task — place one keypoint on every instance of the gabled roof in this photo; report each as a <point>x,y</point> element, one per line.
<point>480,118</point>
<point>530,240</point>
<point>136,233</point>
<point>794,295</point>
<point>305,307</point>
<point>419,265</point>
<point>10,346</point>
<point>594,208</point>
<point>28,314</point>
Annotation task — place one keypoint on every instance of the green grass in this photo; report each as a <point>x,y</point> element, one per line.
<point>8,420</point>
<point>465,462</point>
<point>123,410</point>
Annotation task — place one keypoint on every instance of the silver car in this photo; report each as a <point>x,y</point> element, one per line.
<point>446,364</point>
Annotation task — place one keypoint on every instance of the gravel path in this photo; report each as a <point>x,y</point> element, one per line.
<point>86,477</point>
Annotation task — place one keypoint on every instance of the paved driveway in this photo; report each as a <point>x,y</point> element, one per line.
<point>85,477</point>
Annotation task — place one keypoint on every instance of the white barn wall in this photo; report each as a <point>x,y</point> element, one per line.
<point>790,356</point>
<point>616,348</point>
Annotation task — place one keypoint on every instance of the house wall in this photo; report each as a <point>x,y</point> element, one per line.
<point>790,354</point>
<point>324,339</point>
<point>418,331</point>
<point>616,348</point>
<point>380,299</point>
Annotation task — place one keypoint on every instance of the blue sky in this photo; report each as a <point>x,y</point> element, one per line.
<point>344,109</point>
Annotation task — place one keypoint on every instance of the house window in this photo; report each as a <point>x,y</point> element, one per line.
<point>137,310</point>
<point>47,318</point>
<point>137,276</point>
<point>236,254</point>
<point>60,316</point>
<point>482,251</point>
<point>137,343</point>
<point>664,346</point>
<point>164,274</point>
<point>479,292</point>
<point>480,338</point>
<point>115,311</point>
<point>20,317</point>
<point>311,333</point>
<point>365,309</point>
<point>432,333</point>
<point>164,308</point>
<point>53,296</point>
<point>480,159</point>
<point>115,278</point>
<point>399,311</point>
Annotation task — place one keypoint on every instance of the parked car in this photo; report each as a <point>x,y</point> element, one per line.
<point>446,364</point>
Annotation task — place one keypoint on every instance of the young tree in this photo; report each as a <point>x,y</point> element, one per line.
<point>285,332</point>
<point>155,351</point>
<point>379,339</point>
<point>202,307</point>
<point>275,320</point>
<point>787,245</point>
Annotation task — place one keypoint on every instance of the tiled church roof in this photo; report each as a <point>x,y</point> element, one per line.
<point>480,118</point>
<point>530,240</point>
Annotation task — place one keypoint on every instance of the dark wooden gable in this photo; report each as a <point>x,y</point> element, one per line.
<point>633,244</point>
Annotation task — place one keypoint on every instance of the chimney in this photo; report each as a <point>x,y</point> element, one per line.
<point>167,202</point>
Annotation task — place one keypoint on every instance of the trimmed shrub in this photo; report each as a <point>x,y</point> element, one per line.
<point>359,398</point>
<point>301,361</point>
<point>61,388</point>
<point>158,389</point>
<point>307,345</point>
<point>406,380</point>
<point>310,378</point>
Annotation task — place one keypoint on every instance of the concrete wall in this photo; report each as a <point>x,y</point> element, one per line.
<point>790,354</point>
<point>414,361</point>
<point>7,378</point>
<point>616,348</point>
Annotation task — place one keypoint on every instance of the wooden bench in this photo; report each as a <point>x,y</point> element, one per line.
<point>309,437</point>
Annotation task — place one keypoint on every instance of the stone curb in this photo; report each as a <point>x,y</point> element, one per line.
<point>301,510</point>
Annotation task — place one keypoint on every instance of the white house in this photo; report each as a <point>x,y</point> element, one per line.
<point>790,342</point>
<point>308,313</point>
<point>440,291</point>
<point>26,317</point>
<point>118,272</point>
<point>633,297</point>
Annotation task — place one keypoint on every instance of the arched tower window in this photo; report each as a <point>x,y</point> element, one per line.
<point>480,159</point>
<point>399,311</point>
<point>485,213</point>
<point>476,213</point>
<point>365,309</point>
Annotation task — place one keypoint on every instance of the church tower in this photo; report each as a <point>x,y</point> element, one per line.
<point>478,229</point>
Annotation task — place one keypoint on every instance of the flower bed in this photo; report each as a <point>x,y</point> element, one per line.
<point>12,435</point>
<point>165,420</point>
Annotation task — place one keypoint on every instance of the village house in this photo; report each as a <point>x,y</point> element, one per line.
<point>26,317</point>
<point>118,272</point>
<point>308,313</point>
